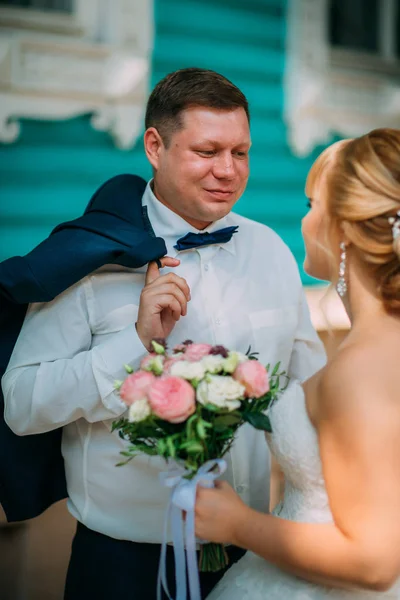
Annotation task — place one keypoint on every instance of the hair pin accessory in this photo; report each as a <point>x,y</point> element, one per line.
<point>395,223</point>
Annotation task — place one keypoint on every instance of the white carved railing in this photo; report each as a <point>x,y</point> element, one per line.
<point>326,93</point>
<point>59,65</point>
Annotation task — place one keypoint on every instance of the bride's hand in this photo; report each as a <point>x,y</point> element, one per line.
<point>218,512</point>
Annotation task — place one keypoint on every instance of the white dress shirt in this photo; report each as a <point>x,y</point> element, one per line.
<point>246,292</point>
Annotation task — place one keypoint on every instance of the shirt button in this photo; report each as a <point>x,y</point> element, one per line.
<point>206,267</point>
<point>218,321</point>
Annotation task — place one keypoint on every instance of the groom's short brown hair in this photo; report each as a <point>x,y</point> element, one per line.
<point>190,87</point>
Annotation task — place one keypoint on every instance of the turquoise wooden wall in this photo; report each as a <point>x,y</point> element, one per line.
<point>49,174</point>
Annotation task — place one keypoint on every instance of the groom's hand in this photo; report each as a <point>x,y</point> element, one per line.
<point>163,302</point>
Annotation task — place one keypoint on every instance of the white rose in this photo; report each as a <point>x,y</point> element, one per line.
<point>213,363</point>
<point>139,411</point>
<point>233,360</point>
<point>188,370</point>
<point>240,356</point>
<point>221,391</point>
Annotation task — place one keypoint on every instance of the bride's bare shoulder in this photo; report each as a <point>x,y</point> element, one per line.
<point>359,375</point>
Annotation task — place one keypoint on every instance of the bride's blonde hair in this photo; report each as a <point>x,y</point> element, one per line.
<point>361,182</point>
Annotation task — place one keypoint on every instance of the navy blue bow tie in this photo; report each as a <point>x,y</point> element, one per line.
<point>194,240</point>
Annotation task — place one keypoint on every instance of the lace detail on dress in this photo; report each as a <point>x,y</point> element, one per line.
<point>294,444</point>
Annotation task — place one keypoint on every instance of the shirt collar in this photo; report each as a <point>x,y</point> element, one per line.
<point>171,227</point>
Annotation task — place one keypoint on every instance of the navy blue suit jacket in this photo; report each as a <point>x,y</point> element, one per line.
<point>113,229</point>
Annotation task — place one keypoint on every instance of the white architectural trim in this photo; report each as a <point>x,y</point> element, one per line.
<point>326,96</point>
<point>96,60</point>
<point>41,20</point>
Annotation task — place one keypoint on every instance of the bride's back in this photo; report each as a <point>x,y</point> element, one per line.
<point>366,364</point>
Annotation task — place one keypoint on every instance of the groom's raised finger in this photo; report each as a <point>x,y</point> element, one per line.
<point>153,270</point>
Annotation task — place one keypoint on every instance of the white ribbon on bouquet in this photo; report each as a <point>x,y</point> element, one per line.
<point>183,499</point>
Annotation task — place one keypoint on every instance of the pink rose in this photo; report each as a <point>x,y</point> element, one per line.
<point>136,387</point>
<point>195,352</point>
<point>171,360</point>
<point>172,399</point>
<point>254,377</point>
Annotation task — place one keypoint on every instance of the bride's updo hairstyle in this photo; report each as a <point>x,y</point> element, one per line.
<point>361,184</point>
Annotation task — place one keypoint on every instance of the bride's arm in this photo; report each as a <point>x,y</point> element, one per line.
<point>358,424</point>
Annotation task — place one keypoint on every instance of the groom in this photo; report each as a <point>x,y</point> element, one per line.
<point>237,287</point>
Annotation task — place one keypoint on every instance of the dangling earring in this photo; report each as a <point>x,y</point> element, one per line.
<point>341,286</point>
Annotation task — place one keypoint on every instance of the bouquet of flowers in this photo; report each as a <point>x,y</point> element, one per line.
<point>186,406</point>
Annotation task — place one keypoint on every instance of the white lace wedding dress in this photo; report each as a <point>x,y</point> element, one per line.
<point>294,444</point>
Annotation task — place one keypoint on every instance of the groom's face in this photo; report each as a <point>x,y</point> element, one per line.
<point>204,169</point>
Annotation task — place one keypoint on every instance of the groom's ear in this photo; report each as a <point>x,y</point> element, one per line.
<point>153,146</point>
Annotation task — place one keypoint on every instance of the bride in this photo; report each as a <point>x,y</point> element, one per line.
<point>336,436</point>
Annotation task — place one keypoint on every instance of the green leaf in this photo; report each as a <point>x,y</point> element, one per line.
<point>124,462</point>
<point>171,447</point>
<point>212,407</point>
<point>224,421</point>
<point>161,446</point>
<point>226,434</point>
<point>276,368</point>
<point>116,425</point>
<point>258,420</point>
<point>117,384</point>
<point>251,355</point>
<point>192,447</point>
<point>190,423</point>
<point>128,369</point>
<point>169,428</point>
<point>201,431</point>
<point>265,398</point>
